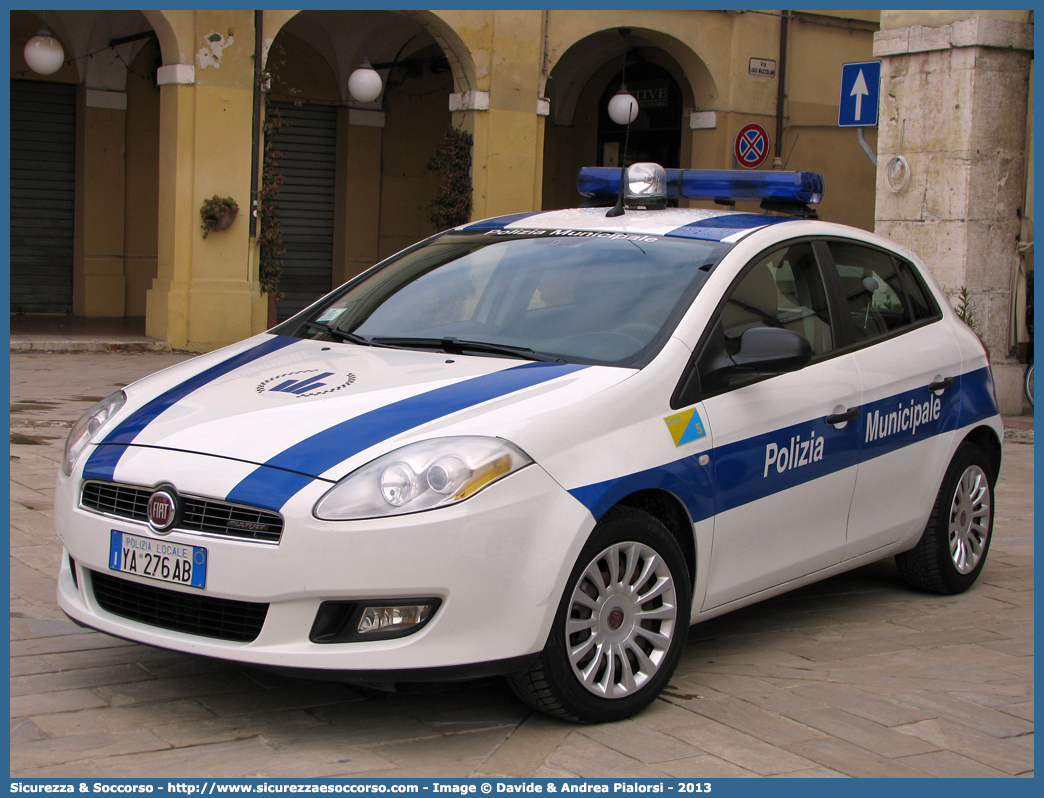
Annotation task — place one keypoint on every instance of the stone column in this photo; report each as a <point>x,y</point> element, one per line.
<point>954,105</point>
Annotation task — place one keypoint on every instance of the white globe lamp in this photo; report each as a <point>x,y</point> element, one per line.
<point>623,107</point>
<point>365,84</point>
<point>44,53</point>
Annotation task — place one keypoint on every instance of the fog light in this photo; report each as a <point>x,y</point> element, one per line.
<point>384,619</point>
<point>400,619</point>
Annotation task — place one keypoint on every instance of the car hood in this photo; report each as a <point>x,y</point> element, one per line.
<point>311,407</point>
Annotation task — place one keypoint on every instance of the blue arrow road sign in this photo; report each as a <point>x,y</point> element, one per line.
<point>860,94</point>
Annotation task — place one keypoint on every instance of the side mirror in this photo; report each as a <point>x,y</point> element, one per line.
<point>772,350</point>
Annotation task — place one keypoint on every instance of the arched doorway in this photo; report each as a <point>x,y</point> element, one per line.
<point>579,131</point>
<point>355,184</point>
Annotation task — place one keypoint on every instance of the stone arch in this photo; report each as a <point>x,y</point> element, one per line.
<point>107,69</point>
<point>168,39</point>
<point>460,59</point>
<point>344,44</point>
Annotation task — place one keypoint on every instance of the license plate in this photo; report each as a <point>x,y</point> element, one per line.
<point>158,559</point>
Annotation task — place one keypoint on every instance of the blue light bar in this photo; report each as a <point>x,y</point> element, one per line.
<point>714,184</point>
<point>805,187</point>
<point>598,181</point>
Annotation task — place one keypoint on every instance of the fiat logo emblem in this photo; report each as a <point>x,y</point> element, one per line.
<point>161,511</point>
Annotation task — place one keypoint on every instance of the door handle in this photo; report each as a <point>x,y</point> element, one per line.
<point>941,385</point>
<point>841,418</point>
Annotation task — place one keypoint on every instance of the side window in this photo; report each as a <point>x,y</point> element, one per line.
<point>921,305</point>
<point>783,289</point>
<point>873,292</point>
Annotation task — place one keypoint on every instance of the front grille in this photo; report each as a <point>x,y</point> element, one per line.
<point>224,619</point>
<point>207,516</point>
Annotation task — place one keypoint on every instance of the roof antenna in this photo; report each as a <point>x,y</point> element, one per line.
<point>623,108</point>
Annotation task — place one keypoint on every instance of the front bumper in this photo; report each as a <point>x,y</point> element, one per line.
<point>498,561</point>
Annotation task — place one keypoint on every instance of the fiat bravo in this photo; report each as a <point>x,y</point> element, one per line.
<point>543,445</point>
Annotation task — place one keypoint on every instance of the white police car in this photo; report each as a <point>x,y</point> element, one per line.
<point>542,445</point>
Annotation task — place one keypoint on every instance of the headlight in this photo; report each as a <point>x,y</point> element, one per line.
<point>89,423</point>
<point>420,476</point>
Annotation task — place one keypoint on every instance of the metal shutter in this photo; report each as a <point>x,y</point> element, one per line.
<point>305,204</point>
<point>43,150</point>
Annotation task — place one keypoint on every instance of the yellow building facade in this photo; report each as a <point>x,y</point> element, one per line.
<point>161,105</point>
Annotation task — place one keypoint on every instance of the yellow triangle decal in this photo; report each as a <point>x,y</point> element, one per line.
<point>678,424</point>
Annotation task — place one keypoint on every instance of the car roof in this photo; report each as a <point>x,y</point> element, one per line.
<point>702,224</point>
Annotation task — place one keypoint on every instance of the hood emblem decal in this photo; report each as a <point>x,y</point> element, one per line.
<point>292,382</point>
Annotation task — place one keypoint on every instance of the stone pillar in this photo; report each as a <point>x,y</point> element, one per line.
<point>206,293</point>
<point>507,122</point>
<point>954,105</point>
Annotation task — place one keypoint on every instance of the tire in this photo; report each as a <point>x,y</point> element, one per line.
<point>953,547</point>
<point>1029,383</point>
<point>602,661</point>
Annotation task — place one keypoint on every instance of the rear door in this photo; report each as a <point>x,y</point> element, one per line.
<point>910,367</point>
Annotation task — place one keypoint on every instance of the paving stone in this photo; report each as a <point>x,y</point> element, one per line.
<point>967,713</point>
<point>443,750</point>
<point>812,773</point>
<point>85,642</point>
<point>865,733</point>
<point>705,767</point>
<point>81,747</point>
<point>227,685</point>
<point>118,719</point>
<point>188,734</point>
<point>851,699</point>
<point>756,691</point>
<point>1023,710</point>
<point>999,754</point>
<point>24,730</point>
<point>760,723</point>
<point>75,770</point>
<point>526,750</point>
<point>76,679</point>
<point>726,743</point>
<point>588,759</point>
<point>948,765</point>
<point>639,742</point>
<point>844,757</point>
<point>36,704</point>
<point>311,695</point>
<point>251,758</point>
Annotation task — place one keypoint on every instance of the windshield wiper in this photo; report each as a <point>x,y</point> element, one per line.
<point>454,346</point>
<point>340,335</point>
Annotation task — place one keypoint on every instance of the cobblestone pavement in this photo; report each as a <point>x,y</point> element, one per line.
<point>855,676</point>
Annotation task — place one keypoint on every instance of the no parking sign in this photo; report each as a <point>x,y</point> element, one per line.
<point>752,145</point>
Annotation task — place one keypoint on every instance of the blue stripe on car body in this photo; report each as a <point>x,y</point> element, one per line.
<point>282,476</point>
<point>500,222</point>
<point>743,474</point>
<point>719,227</point>
<point>102,462</point>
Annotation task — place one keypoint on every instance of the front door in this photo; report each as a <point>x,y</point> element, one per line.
<point>784,476</point>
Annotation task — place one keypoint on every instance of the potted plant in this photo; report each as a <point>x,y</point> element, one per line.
<point>217,213</point>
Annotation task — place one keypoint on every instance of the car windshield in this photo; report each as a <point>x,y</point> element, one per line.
<point>608,299</point>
